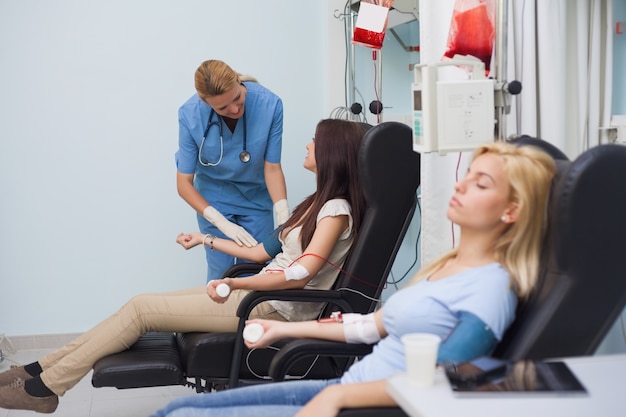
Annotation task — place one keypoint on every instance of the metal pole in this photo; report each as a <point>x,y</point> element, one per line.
<point>500,63</point>
<point>351,58</point>
<point>379,81</point>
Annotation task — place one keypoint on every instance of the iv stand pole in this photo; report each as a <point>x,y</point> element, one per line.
<point>501,70</point>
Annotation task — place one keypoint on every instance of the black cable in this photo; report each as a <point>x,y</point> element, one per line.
<point>419,233</point>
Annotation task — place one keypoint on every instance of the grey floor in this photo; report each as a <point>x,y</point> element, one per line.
<point>86,401</point>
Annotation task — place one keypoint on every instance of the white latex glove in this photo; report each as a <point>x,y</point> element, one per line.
<point>230,229</point>
<point>281,210</point>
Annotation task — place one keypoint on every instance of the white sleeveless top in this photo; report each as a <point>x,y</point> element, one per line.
<point>325,278</point>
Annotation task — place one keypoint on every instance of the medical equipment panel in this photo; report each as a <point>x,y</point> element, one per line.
<point>452,115</point>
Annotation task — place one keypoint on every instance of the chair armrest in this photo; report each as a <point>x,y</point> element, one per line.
<point>302,348</point>
<point>255,297</point>
<point>326,296</point>
<point>246,268</point>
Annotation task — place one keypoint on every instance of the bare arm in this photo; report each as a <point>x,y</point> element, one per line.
<point>184,185</point>
<point>255,253</point>
<point>275,181</point>
<point>333,398</point>
<point>276,330</point>
<point>324,238</point>
<point>326,234</point>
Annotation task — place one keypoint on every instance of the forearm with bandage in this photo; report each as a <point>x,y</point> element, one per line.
<point>357,328</point>
<point>360,328</point>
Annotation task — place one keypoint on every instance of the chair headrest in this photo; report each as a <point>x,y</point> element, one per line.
<point>581,288</point>
<point>388,166</point>
<point>553,151</point>
<point>390,175</point>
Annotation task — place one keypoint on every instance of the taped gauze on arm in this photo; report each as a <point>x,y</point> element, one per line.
<point>358,328</point>
<point>296,272</point>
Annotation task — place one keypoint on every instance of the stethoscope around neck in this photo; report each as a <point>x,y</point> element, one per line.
<point>244,156</point>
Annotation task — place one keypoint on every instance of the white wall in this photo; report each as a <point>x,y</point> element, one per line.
<point>89,93</point>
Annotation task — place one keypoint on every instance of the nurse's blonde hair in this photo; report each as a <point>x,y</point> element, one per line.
<point>214,78</point>
<point>529,171</point>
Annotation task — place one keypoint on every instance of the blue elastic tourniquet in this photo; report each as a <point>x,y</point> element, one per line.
<point>271,244</point>
<point>470,338</point>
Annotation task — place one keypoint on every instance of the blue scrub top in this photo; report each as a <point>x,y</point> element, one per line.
<point>232,186</point>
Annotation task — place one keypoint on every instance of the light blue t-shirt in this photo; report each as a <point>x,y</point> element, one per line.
<point>434,307</point>
<point>233,187</point>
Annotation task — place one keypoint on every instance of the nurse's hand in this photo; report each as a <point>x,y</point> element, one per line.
<point>232,230</point>
<point>281,210</point>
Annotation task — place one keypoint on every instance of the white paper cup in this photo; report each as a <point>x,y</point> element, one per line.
<point>421,357</point>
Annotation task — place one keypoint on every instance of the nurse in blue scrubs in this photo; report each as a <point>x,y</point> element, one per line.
<point>228,160</point>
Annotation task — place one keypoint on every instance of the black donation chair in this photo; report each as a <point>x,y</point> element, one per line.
<point>390,173</point>
<point>581,289</point>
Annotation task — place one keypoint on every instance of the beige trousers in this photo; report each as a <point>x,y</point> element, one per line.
<point>180,311</point>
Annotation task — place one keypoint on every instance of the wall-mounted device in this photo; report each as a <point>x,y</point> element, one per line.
<point>452,115</point>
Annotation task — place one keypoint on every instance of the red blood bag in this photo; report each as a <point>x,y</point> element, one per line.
<point>371,23</point>
<point>472,30</point>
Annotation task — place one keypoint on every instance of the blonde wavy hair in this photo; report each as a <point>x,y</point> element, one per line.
<point>215,77</point>
<point>529,171</point>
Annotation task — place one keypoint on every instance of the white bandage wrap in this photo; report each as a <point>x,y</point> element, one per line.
<point>295,272</point>
<point>358,328</point>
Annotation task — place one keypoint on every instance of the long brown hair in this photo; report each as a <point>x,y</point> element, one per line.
<point>337,144</point>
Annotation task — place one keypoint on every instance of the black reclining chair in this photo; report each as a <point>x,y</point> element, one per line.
<point>582,284</point>
<point>390,174</point>
<point>582,289</point>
